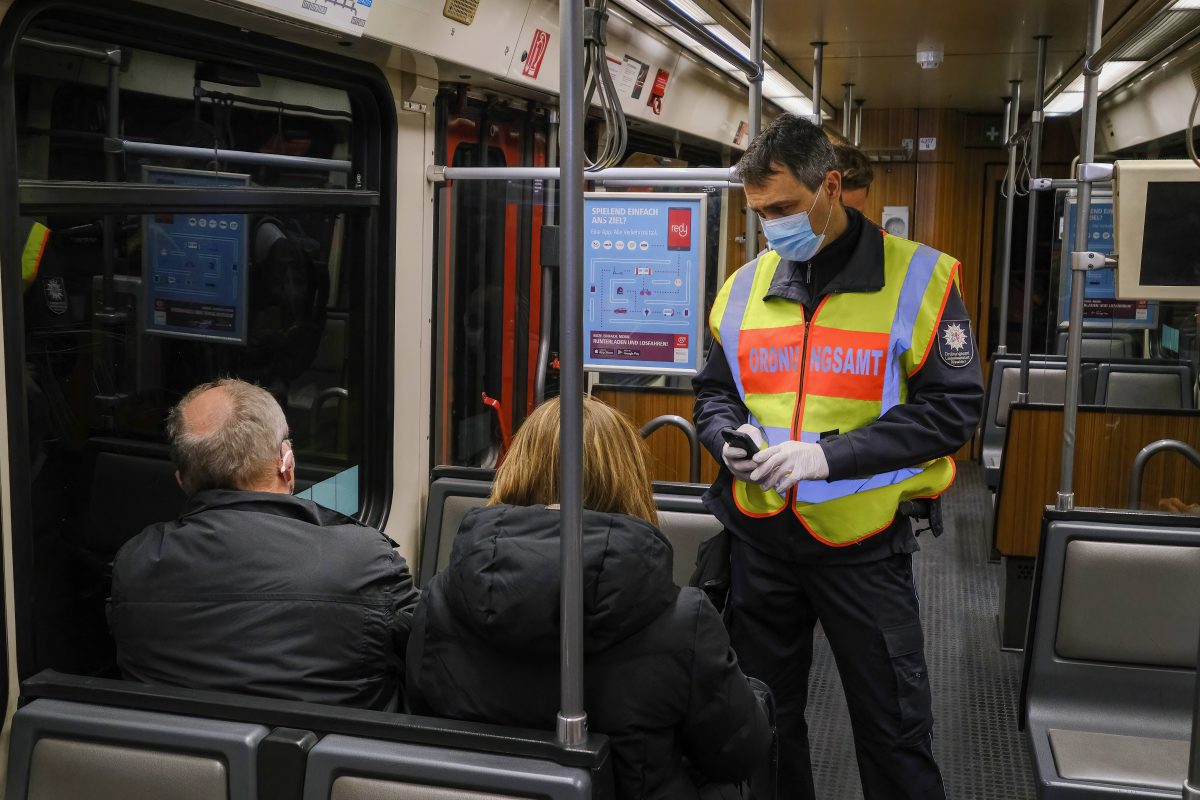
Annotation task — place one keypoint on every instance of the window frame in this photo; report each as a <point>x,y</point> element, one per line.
<point>374,154</point>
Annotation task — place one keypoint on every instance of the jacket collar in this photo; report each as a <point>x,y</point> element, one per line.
<point>281,505</point>
<point>862,272</point>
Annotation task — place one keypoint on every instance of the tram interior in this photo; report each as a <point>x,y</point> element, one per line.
<point>99,369</point>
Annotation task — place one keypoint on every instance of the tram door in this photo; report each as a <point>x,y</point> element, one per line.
<point>489,282</point>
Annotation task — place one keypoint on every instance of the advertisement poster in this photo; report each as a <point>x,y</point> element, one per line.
<point>643,266</point>
<point>1100,306</point>
<point>194,264</point>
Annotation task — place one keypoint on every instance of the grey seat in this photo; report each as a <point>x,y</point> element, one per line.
<point>1047,384</point>
<point>682,518</point>
<point>1111,657</point>
<point>1147,384</point>
<point>1100,344</point>
<point>75,751</point>
<point>350,768</point>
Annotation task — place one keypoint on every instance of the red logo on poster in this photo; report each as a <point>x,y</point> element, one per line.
<point>681,340</point>
<point>679,229</point>
<point>537,51</point>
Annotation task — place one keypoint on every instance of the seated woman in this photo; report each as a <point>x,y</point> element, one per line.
<point>660,678</point>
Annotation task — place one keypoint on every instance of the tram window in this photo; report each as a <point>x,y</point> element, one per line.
<point>128,310</point>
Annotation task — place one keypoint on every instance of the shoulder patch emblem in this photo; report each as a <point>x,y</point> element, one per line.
<point>956,345</point>
<point>55,293</point>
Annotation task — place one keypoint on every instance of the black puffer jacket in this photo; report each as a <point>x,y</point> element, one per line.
<point>661,679</point>
<point>265,594</point>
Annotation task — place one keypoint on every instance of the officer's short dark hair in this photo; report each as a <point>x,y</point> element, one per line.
<point>797,144</point>
<point>854,165</point>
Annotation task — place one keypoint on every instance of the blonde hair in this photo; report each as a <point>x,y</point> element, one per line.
<point>616,471</point>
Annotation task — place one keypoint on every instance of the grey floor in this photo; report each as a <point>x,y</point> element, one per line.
<point>979,749</point>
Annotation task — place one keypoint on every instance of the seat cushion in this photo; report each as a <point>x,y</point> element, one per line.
<point>1122,760</point>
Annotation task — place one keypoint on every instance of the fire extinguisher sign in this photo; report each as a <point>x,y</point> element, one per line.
<point>535,53</point>
<point>644,264</point>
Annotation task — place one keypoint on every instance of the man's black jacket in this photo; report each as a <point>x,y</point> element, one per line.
<point>266,594</point>
<point>940,414</point>
<point>660,678</point>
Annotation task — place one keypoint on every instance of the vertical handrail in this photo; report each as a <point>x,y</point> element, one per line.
<point>750,246</point>
<point>548,215</point>
<point>1035,167</point>
<point>858,119</point>
<point>1010,133</point>
<point>818,68</point>
<point>1066,492</point>
<point>1137,470</point>
<point>689,430</point>
<point>571,725</point>
<point>847,108</point>
<point>1191,784</point>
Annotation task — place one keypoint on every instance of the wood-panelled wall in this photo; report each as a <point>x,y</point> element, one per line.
<point>668,446</point>
<point>1106,442</point>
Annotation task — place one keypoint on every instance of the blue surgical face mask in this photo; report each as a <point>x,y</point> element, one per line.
<point>793,236</point>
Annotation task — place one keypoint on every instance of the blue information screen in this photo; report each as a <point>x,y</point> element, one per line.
<point>643,267</point>
<point>194,264</point>
<point>1100,306</point>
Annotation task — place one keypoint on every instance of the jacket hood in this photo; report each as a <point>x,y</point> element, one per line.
<point>503,579</point>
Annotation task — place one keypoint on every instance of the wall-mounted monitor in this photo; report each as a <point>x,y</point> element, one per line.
<point>1158,230</point>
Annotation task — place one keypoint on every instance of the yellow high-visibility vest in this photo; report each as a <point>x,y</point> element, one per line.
<point>839,370</point>
<point>31,253</point>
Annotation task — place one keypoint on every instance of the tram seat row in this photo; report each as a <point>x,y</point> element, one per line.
<point>1101,344</point>
<point>454,491</point>
<point>1127,384</point>
<point>1111,655</point>
<point>118,746</point>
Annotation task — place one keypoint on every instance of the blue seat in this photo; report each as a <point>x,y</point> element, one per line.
<point>1110,660</point>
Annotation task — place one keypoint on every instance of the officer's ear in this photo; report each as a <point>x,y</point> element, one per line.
<point>833,184</point>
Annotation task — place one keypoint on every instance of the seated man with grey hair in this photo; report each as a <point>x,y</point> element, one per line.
<point>251,589</point>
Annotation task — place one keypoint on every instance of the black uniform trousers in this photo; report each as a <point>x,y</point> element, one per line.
<point>869,612</point>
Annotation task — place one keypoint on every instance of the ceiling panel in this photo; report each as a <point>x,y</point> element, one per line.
<point>873,43</point>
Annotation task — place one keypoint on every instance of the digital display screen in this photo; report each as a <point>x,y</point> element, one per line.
<point>1171,243</point>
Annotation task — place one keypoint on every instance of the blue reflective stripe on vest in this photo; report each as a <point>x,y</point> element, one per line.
<point>731,321</point>
<point>912,294</point>
<point>821,491</point>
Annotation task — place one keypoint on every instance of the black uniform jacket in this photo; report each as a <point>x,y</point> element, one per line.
<point>661,679</point>
<point>266,594</point>
<point>943,406</point>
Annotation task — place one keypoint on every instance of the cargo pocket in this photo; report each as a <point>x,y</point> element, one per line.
<point>905,646</point>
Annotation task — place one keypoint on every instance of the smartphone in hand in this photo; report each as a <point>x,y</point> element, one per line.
<point>735,438</point>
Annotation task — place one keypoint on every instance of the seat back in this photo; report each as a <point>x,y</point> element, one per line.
<point>63,750</point>
<point>350,768</point>
<point>1101,344</point>
<point>682,518</point>
<point>1116,623</point>
<point>130,489</point>
<point>1148,384</point>
<point>1047,384</point>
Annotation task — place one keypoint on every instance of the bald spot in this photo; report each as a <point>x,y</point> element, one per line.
<point>207,412</point>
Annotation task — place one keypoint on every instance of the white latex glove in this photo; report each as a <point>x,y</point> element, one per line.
<point>781,466</point>
<point>738,460</point>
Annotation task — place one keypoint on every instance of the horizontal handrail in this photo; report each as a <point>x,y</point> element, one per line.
<point>1138,469</point>
<point>109,55</point>
<point>229,156</point>
<point>438,173</point>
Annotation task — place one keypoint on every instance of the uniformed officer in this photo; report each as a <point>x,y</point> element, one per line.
<point>848,355</point>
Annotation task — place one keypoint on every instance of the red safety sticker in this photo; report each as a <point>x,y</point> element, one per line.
<point>537,51</point>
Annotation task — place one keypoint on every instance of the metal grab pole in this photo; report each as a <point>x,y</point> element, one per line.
<point>750,246</point>
<point>1191,784</point>
<point>1083,210</point>
<point>543,362</point>
<point>572,719</point>
<point>858,116</point>
<point>1035,166</point>
<point>847,106</point>
<point>230,156</point>
<point>438,173</point>
<point>1006,260</point>
<point>818,66</point>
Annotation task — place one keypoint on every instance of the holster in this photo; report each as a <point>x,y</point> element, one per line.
<point>926,511</point>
